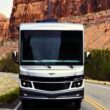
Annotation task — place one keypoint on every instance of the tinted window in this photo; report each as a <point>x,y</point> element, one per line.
<point>51,47</point>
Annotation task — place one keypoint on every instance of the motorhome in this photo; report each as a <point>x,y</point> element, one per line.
<point>51,62</point>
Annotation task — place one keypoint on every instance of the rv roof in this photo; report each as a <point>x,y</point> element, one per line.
<point>51,26</point>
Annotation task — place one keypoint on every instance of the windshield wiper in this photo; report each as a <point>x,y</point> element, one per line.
<point>44,64</point>
<point>71,66</point>
<point>48,66</point>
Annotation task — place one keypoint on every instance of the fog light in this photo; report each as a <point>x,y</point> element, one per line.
<point>25,94</point>
<point>77,95</point>
<point>26,83</point>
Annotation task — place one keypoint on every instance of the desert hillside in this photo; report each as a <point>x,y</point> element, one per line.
<point>94,14</point>
<point>4,27</point>
<point>6,44</point>
<point>32,10</point>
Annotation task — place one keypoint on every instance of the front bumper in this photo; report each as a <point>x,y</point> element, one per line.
<point>65,95</point>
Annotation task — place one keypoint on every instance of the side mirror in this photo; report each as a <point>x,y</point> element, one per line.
<point>15,57</point>
<point>87,57</point>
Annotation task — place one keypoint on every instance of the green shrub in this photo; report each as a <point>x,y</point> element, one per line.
<point>7,65</point>
<point>99,67</point>
<point>10,96</point>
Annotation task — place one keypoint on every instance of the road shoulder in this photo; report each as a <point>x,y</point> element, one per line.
<point>98,82</point>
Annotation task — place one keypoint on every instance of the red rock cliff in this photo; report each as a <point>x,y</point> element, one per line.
<point>4,24</point>
<point>32,10</point>
<point>93,13</point>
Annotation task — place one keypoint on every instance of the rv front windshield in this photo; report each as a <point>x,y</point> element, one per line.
<point>51,47</point>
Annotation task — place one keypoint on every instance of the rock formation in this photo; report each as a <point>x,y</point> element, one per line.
<point>4,25</point>
<point>5,47</point>
<point>97,29</point>
<point>93,13</point>
<point>32,10</point>
<point>97,36</point>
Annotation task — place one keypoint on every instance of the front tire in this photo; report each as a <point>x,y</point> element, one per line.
<point>77,105</point>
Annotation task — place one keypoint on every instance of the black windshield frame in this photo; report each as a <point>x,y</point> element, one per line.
<point>60,61</point>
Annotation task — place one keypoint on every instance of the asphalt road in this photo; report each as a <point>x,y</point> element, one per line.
<point>97,97</point>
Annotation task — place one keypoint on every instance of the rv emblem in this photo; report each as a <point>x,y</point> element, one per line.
<point>51,73</point>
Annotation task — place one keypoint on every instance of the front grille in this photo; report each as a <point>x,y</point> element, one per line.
<point>51,86</point>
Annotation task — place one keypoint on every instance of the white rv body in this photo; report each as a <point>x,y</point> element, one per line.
<point>39,81</point>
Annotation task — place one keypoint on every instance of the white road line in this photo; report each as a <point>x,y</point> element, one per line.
<point>98,86</point>
<point>17,106</point>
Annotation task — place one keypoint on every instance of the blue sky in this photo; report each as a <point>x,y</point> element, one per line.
<point>6,7</point>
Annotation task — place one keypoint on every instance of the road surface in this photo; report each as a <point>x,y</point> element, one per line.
<point>97,97</point>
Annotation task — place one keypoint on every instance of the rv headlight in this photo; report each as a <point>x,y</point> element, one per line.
<point>77,83</point>
<point>26,83</point>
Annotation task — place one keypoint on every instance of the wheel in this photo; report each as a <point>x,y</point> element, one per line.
<point>24,105</point>
<point>77,105</point>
